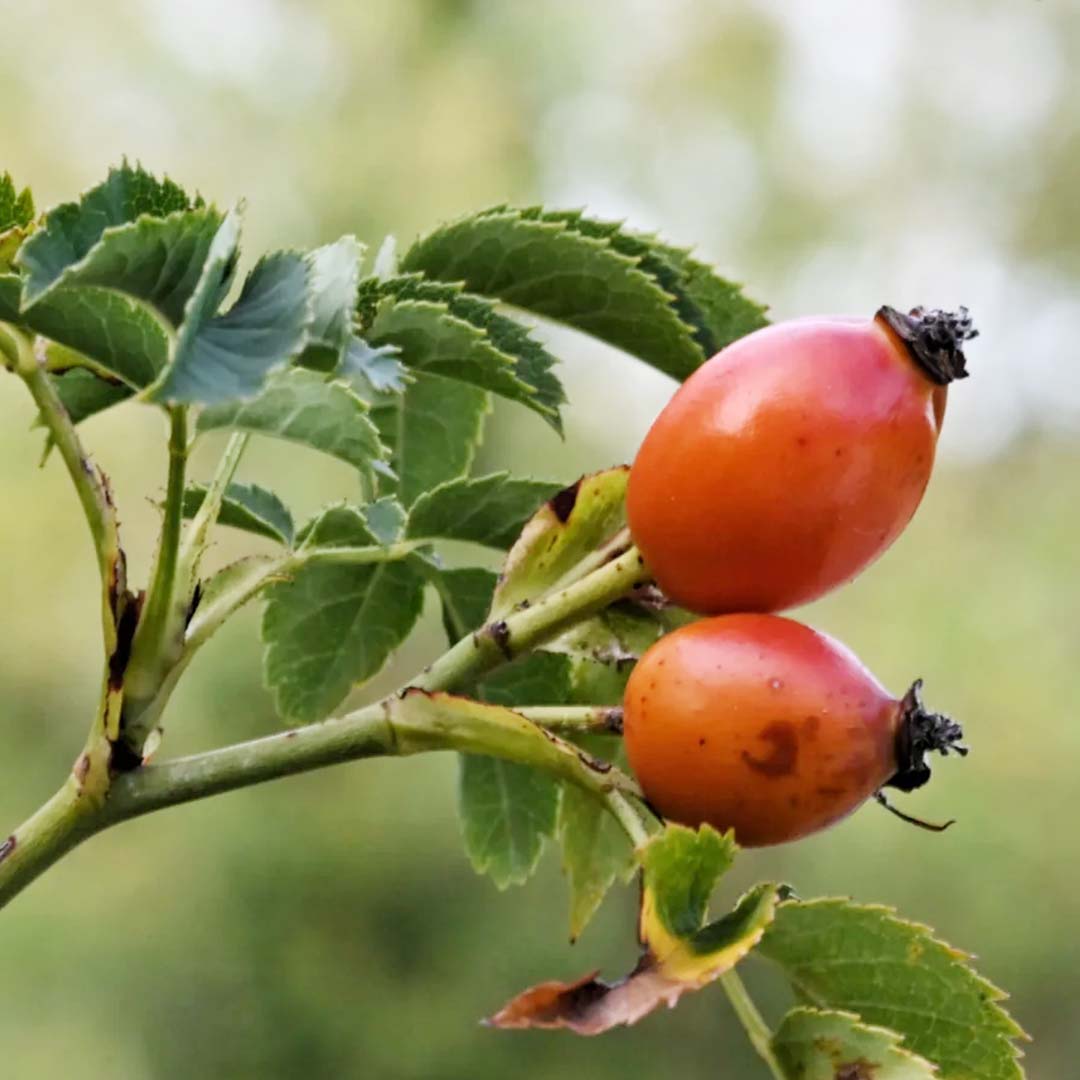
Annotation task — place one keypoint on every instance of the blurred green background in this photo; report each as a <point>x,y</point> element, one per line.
<point>833,155</point>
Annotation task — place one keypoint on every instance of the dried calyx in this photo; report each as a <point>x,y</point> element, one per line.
<point>918,733</point>
<point>935,339</point>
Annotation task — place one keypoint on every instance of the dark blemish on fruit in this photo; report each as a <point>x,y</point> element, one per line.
<point>802,440</point>
<point>810,727</point>
<point>785,750</point>
<point>838,452</point>
<point>563,503</point>
<point>7,847</point>
<point>793,802</point>
<point>701,742</point>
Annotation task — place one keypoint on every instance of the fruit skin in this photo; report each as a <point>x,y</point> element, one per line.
<point>793,458</point>
<point>758,723</point>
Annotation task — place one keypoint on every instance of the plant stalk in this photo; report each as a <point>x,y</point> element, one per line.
<point>752,1021</point>
<point>90,487</point>
<point>59,825</point>
<point>70,816</point>
<point>509,638</point>
<point>575,719</point>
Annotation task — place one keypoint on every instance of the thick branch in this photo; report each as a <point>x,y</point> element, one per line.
<point>390,727</point>
<point>384,728</point>
<point>60,825</point>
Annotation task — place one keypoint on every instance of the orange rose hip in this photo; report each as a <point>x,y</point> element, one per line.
<point>758,723</point>
<point>793,458</point>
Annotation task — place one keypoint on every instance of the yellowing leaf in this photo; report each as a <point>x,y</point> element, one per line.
<point>681,951</point>
<point>569,526</point>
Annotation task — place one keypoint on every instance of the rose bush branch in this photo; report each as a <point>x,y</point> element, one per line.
<point>89,483</point>
<point>377,730</point>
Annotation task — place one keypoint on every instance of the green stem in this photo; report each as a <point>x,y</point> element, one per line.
<point>522,630</point>
<point>207,514</point>
<point>90,487</point>
<point>575,719</point>
<point>383,728</point>
<point>160,634</point>
<point>752,1021</point>
<point>57,827</point>
<point>626,814</point>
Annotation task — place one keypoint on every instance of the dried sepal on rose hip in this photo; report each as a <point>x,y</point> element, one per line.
<point>761,724</point>
<point>793,458</point>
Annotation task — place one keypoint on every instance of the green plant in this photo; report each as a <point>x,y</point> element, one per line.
<point>122,296</point>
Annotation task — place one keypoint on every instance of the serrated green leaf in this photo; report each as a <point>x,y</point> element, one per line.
<point>893,973</point>
<point>465,595</point>
<point>248,507</point>
<point>554,269</point>
<point>303,407</point>
<point>540,678</point>
<point>385,518</point>
<point>223,358</point>
<point>131,233</point>
<point>334,275</point>
<point>487,510</point>
<point>10,286</point>
<point>16,207</point>
<point>118,333</point>
<point>368,370</point>
<point>682,867</point>
<point>432,429</point>
<point>533,364</point>
<point>595,850</point>
<point>16,217</point>
<point>507,811</point>
<point>559,535</point>
<point>433,339</point>
<point>715,308</point>
<point>334,625</point>
<point>84,394</point>
<point>814,1044</point>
